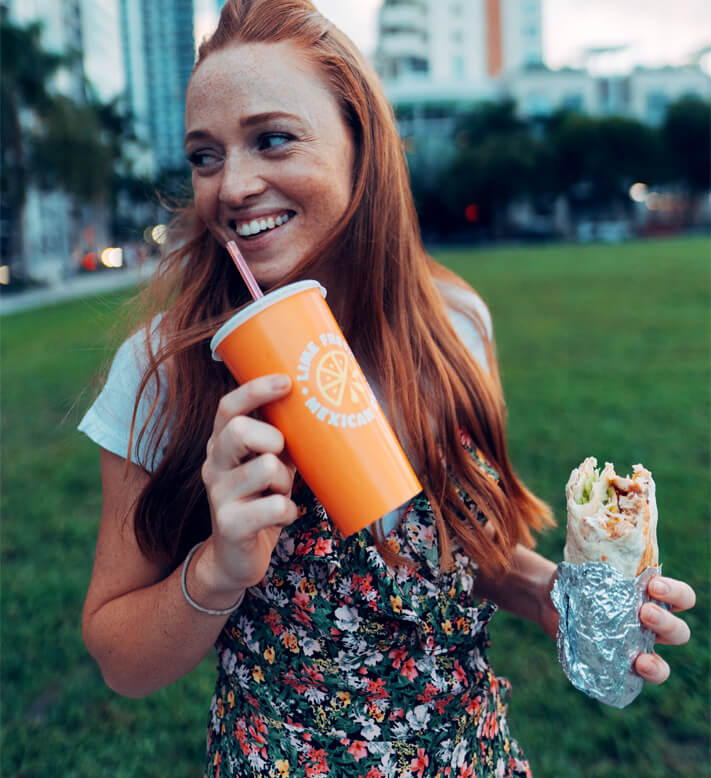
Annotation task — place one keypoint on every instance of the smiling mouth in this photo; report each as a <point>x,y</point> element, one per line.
<point>249,230</point>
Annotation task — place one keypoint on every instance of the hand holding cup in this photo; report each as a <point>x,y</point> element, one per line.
<point>248,477</point>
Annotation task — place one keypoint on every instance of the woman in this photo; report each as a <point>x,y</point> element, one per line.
<point>357,656</point>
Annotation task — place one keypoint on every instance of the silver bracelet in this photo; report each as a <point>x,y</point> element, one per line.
<point>183,586</point>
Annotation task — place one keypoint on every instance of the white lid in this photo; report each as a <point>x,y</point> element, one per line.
<point>259,305</point>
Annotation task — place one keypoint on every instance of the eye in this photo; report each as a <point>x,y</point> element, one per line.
<point>203,159</point>
<point>270,140</point>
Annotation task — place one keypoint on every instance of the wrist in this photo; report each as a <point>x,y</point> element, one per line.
<point>532,580</point>
<point>548,614</point>
<point>206,583</point>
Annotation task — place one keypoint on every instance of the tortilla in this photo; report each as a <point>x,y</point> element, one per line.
<point>612,519</point>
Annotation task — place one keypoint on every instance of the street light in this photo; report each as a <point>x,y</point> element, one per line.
<point>638,192</point>
<point>159,234</point>
<point>112,257</point>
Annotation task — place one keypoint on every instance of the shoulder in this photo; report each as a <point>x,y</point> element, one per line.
<point>132,359</point>
<point>133,353</point>
<point>470,318</point>
<point>108,421</point>
<point>463,300</point>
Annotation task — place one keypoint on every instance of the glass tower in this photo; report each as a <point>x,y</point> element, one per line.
<point>159,52</point>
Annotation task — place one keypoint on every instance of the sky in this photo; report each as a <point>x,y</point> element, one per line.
<point>654,32</point>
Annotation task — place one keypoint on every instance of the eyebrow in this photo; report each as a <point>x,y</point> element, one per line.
<point>267,116</point>
<point>249,121</point>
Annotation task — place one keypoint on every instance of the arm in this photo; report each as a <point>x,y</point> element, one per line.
<point>136,622</point>
<point>525,589</point>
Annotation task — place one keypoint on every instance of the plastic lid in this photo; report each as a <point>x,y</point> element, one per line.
<point>259,305</point>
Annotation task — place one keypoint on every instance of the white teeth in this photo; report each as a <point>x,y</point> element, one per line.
<point>260,225</point>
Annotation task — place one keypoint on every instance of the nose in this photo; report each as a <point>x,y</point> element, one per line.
<point>241,180</point>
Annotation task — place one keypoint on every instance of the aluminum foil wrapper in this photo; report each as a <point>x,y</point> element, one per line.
<point>600,634</point>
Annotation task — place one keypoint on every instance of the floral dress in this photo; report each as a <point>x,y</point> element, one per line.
<point>337,665</point>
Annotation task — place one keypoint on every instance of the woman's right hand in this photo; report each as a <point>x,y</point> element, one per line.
<point>248,477</point>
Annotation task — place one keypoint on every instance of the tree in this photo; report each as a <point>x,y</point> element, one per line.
<point>597,159</point>
<point>496,162</point>
<point>52,141</point>
<point>487,119</point>
<point>492,174</point>
<point>24,75</point>
<point>69,152</point>
<point>686,133</point>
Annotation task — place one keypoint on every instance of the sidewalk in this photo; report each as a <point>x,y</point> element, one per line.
<point>84,285</point>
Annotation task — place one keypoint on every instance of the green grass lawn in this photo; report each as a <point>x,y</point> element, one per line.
<point>604,351</point>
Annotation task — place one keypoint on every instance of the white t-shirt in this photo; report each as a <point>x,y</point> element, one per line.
<point>108,420</point>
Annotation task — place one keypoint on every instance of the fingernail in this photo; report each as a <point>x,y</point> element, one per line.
<point>280,382</point>
<point>647,664</point>
<point>659,587</point>
<point>652,615</point>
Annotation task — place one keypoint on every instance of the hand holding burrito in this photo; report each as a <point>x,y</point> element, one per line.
<point>610,555</point>
<point>605,639</point>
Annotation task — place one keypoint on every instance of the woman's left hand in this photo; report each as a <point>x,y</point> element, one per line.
<point>669,629</point>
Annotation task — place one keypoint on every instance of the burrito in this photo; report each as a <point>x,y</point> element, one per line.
<point>612,519</point>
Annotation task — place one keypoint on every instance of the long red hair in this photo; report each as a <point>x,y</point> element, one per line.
<point>395,320</point>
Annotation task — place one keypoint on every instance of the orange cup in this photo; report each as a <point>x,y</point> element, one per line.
<point>335,431</point>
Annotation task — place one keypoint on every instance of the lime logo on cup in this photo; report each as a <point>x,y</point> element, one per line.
<point>334,374</point>
<point>334,389</point>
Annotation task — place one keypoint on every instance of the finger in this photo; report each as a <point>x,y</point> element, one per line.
<point>669,629</point>
<point>678,594</point>
<point>241,521</point>
<point>652,668</point>
<point>287,460</point>
<point>265,473</point>
<point>243,436</point>
<point>249,397</point>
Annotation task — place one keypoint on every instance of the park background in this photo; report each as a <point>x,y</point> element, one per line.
<point>604,351</point>
<point>604,340</point>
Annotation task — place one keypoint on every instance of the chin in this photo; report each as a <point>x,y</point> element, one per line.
<point>271,276</point>
<point>268,280</point>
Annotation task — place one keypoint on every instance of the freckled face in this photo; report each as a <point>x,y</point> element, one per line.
<point>271,155</point>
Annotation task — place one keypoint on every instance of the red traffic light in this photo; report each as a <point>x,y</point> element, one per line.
<point>471,213</point>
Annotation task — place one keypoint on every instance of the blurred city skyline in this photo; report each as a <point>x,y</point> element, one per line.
<point>442,62</point>
<point>609,35</point>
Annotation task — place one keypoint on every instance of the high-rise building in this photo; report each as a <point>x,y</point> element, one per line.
<point>159,51</point>
<point>455,49</point>
<point>103,53</point>
<point>438,57</point>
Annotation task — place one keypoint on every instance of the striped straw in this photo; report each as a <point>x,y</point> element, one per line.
<point>244,270</point>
